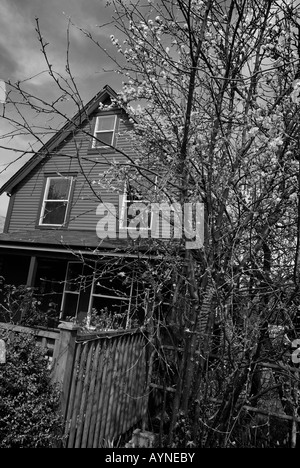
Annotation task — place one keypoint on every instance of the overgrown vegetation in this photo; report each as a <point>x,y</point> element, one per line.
<point>20,306</point>
<point>29,404</point>
<point>104,320</point>
<point>219,125</point>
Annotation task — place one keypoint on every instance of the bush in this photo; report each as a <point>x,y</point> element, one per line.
<point>29,404</point>
<point>20,306</point>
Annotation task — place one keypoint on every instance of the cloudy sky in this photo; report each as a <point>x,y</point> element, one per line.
<point>20,55</point>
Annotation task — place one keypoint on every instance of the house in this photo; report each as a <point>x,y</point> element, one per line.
<point>51,239</point>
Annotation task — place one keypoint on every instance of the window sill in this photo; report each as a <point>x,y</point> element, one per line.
<point>100,151</point>
<point>52,228</point>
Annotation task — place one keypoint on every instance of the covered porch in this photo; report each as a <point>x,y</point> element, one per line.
<point>72,282</point>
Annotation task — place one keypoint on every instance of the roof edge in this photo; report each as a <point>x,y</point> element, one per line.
<point>56,139</point>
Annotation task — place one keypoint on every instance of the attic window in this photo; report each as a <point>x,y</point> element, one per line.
<point>56,201</point>
<point>104,131</point>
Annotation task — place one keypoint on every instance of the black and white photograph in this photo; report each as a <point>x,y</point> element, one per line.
<point>150,226</point>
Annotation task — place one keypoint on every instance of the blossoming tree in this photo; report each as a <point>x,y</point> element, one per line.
<point>219,83</point>
<point>213,89</point>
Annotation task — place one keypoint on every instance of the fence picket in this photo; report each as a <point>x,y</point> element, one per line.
<point>124,400</point>
<point>113,397</point>
<point>120,389</point>
<point>78,395</point>
<point>86,382</point>
<point>102,393</point>
<point>100,352</point>
<point>103,436</point>
<point>141,377</point>
<point>130,383</point>
<point>72,395</point>
<point>90,397</point>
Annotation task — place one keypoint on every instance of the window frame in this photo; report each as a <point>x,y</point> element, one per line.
<point>67,201</point>
<point>66,291</point>
<point>98,146</point>
<point>124,208</point>
<point>124,298</point>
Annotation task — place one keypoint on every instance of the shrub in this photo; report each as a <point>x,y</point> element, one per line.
<point>29,404</point>
<point>20,306</point>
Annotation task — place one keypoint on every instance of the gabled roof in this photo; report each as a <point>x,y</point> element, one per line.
<point>61,135</point>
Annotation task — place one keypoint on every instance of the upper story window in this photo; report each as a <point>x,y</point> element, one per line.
<point>104,131</point>
<point>135,211</point>
<point>56,201</point>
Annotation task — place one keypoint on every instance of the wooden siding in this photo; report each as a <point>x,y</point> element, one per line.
<point>29,193</point>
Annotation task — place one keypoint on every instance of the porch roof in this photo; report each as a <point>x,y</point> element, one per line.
<point>66,240</point>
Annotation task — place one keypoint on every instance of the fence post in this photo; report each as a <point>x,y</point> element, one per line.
<point>64,358</point>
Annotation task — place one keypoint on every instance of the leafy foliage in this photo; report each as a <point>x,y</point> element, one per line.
<point>29,404</point>
<point>21,306</point>
<point>103,320</point>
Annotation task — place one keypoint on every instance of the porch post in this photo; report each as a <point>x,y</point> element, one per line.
<point>32,271</point>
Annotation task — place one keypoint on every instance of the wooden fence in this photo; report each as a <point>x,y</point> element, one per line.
<point>102,379</point>
<point>107,393</point>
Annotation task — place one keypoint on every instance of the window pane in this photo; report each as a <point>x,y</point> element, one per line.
<point>70,305</point>
<point>54,213</point>
<point>58,189</point>
<point>140,212</point>
<point>114,283</point>
<point>49,282</point>
<point>113,312</point>
<point>105,123</point>
<point>104,138</point>
<point>74,277</point>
